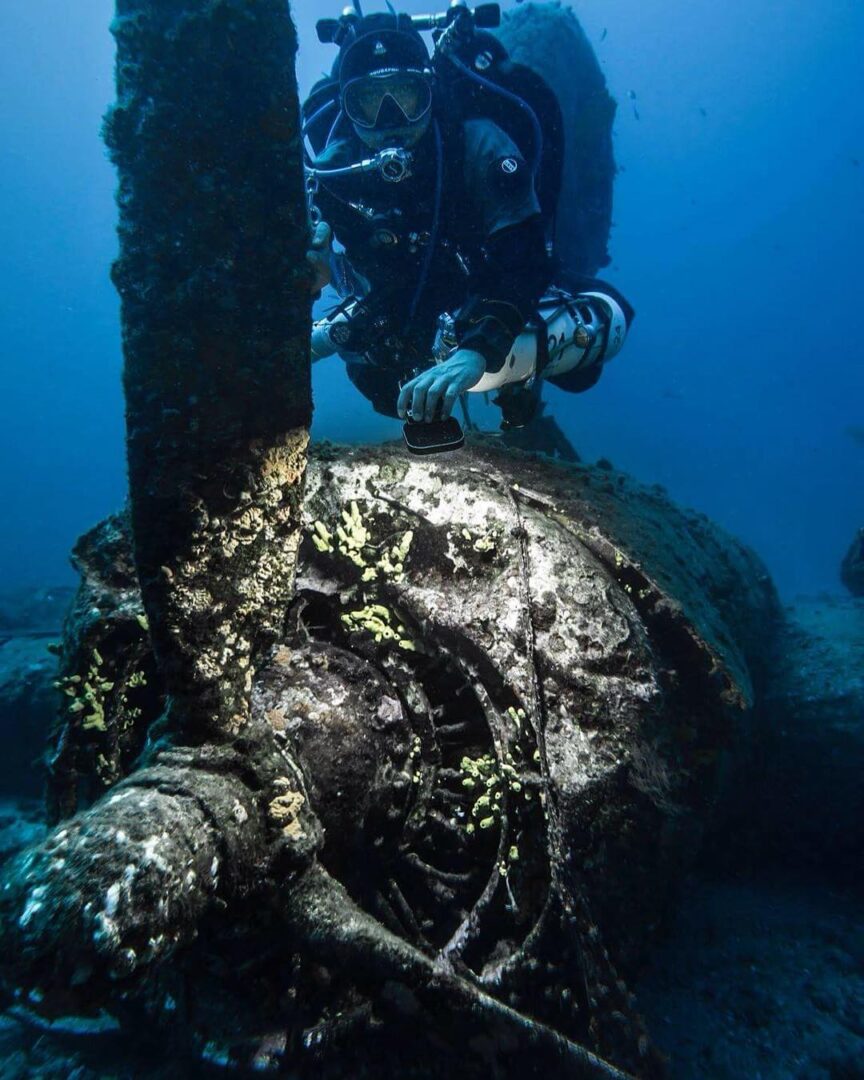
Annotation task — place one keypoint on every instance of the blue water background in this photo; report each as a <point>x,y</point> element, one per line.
<point>739,232</point>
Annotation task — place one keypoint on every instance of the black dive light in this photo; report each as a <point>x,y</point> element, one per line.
<point>484,17</point>
<point>433,437</point>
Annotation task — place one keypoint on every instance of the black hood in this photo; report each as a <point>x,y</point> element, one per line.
<point>379,42</point>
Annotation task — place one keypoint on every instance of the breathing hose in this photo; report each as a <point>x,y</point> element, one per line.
<point>436,221</point>
<point>487,84</point>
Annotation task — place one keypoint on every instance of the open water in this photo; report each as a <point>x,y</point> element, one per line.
<point>738,230</point>
<point>738,237</point>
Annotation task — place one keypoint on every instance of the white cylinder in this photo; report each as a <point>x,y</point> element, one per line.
<point>564,353</point>
<point>322,339</point>
<point>562,329</point>
<point>519,365</point>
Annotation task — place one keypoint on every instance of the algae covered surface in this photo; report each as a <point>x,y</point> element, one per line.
<point>377,767</point>
<point>500,738</point>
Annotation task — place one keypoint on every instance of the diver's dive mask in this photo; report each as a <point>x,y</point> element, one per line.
<point>387,99</point>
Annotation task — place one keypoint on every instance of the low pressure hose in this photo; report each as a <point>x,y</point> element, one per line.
<point>436,221</point>
<point>325,108</point>
<point>334,128</point>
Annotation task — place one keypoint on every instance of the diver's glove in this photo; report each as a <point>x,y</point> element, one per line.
<point>433,393</point>
<point>319,257</point>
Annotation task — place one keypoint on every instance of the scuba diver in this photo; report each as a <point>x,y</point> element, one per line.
<point>438,176</point>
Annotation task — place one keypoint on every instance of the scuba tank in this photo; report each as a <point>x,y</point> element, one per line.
<point>570,333</point>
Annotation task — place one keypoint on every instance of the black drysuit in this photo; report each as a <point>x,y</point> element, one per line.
<point>483,254</point>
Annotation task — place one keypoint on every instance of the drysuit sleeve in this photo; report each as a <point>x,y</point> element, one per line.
<point>513,268</point>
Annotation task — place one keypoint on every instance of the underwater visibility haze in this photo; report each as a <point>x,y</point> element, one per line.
<point>738,224</point>
<point>334,761</point>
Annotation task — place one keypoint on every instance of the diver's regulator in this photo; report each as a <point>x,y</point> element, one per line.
<point>392,164</point>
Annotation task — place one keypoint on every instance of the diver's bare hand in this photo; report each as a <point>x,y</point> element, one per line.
<point>433,393</point>
<point>319,256</point>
